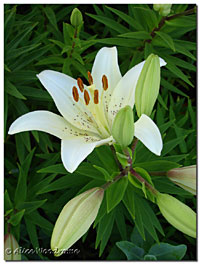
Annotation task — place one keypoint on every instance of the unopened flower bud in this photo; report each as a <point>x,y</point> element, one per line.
<point>11,248</point>
<point>179,215</point>
<point>75,219</point>
<point>184,177</point>
<point>76,18</point>
<point>163,9</point>
<point>148,85</point>
<point>123,126</point>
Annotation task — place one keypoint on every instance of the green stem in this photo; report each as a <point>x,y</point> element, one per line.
<point>142,180</point>
<point>115,157</point>
<point>162,22</point>
<point>118,177</point>
<point>73,44</point>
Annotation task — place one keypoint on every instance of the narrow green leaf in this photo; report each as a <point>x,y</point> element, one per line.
<point>115,193</point>
<point>15,219</point>
<point>109,23</point>
<point>167,39</point>
<point>12,90</point>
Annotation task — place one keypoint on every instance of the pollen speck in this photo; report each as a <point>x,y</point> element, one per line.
<point>80,84</point>
<point>105,82</point>
<point>86,97</point>
<point>96,96</point>
<point>90,79</point>
<point>75,94</point>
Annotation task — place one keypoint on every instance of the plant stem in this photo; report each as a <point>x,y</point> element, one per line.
<point>118,177</point>
<point>115,157</point>
<point>73,44</point>
<point>158,173</point>
<point>162,22</point>
<point>142,180</point>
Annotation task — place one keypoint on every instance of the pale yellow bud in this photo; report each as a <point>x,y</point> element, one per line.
<point>123,126</point>
<point>148,85</point>
<point>163,9</point>
<point>184,177</point>
<point>11,248</point>
<point>179,215</point>
<point>75,219</point>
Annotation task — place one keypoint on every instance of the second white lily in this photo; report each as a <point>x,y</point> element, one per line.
<point>88,112</point>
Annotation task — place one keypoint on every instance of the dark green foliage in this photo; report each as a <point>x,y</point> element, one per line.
<point>37,186</point>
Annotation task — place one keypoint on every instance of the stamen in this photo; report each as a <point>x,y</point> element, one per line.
<point>105,82</point>
<point>90,79</point>
<point>96,96</point>
<point>80,84</point>
<point>86,97</point>
<point>75,94</point>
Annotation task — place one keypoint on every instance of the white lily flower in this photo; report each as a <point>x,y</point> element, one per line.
<point>89,111</point>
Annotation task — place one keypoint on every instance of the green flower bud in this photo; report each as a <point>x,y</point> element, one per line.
<point>123,127</point>
<point>163,10</point>
<point>75,219</point>
<point>11,248</point>
<point>148,85</point>
<point>184,177</point>
<point>177,214</point>
<point>76,18</point>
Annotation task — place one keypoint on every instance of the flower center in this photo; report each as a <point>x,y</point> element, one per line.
<point>93,98</point>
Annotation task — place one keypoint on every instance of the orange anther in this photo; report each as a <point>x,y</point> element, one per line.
<point>75,94</point>
<point>105,82</point>
<point>86,97</point>
<point>90,79</point>
<point>80,84</point>
<point>96,96</point>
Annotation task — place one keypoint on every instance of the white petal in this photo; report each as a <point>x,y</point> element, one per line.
<point>60,86</point>
<point>124,93</point>
<point>106,63</point>
<point>75,149</point>
<point>43,121</point>
<point>147,132</point>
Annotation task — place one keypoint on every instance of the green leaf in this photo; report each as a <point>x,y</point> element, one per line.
<point>57,168</point>
<point>15,219</point>
<point>17,40</point>
<point>166,38</point>
<point>175,70</point>
<point>109,23</point>
<point>31,206</point>
<point>121,222</point>
<point>128,19</point>
<point>21,189</point>
<point>51,16</point>
<point>104,230</point>
<point>106,175</point>
<point>7,202</point>
<point>150,257</point>
<point>165,251</point>
<point>136,35</point>
<point>32,233</point>
<point>160,165</point>
<point>128,201</point>
<point>115,193</point>
<point>171,144</point>
<point>12,90</point>
<point>131,251</point>
<point>172,88</point>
